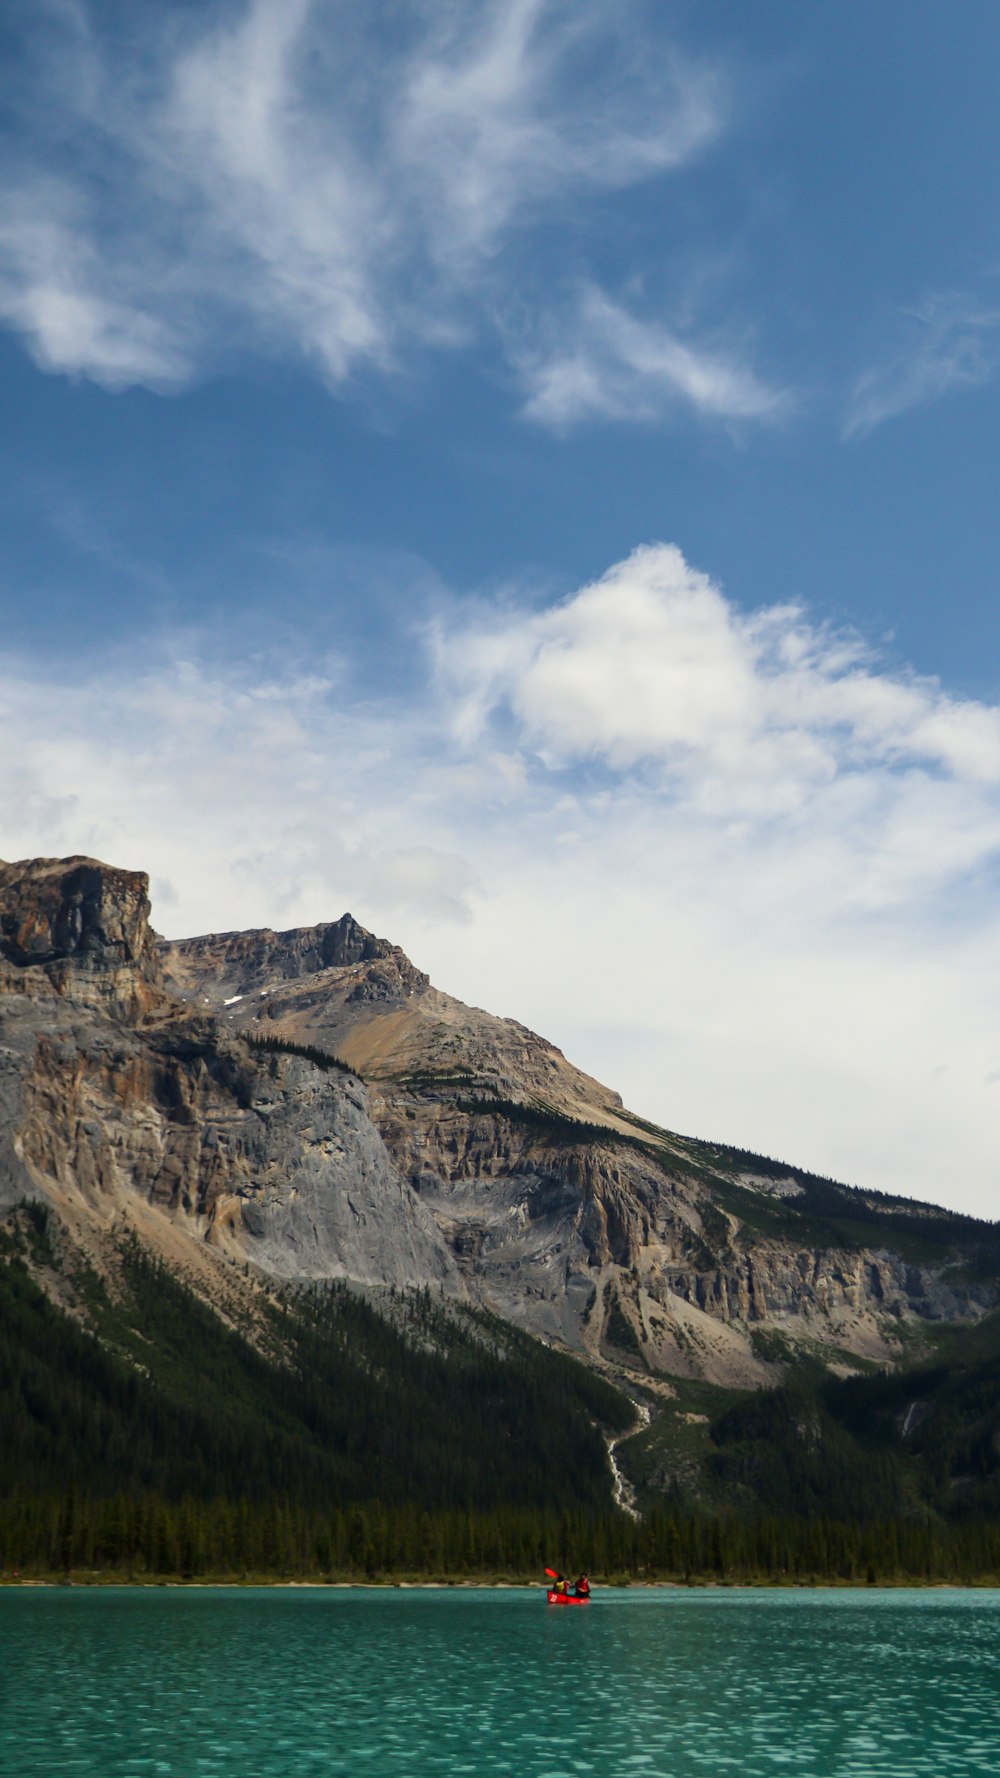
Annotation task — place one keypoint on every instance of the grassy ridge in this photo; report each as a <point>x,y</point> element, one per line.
<point>284,1046</point>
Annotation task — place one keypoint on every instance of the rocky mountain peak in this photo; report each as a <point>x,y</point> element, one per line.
<point>222,967</point>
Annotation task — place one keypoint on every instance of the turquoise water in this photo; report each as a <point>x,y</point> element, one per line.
<point>301,1684</point>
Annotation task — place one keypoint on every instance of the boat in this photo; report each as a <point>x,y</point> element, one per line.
<point>565,1598</point>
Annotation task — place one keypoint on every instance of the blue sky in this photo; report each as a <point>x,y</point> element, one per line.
<point>527,472</point>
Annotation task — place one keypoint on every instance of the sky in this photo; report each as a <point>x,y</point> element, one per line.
<point>525,471</point>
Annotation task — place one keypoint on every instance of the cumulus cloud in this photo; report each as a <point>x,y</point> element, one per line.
<point>732,863</point>
<point>952,342</point>
<point>652,665</point>
<point>348,184</point>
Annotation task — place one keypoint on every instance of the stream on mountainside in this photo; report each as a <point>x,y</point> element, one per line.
<point>624,1493</point>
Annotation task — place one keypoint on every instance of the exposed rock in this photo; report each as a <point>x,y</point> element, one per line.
<point>472,1156</point>
<point>85,924</point>
<point>220,968</point>
<point>111,1091</point>
<point>547,1191</point>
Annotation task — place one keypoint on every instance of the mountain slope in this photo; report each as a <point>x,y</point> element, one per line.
<point>119,1103</point>
<point>568,1214</point>
<point>404,1400</point>
<point>921,1443</point>
<point>189,1093</point>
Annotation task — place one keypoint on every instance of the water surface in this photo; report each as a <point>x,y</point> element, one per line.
<point>289,1683</point>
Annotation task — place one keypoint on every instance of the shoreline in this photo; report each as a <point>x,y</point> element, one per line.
<point>98,1582</point>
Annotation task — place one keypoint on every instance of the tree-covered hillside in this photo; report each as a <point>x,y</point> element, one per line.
<point>337,1401</point>
<point>918,1443</point>
<point>345,1436</point>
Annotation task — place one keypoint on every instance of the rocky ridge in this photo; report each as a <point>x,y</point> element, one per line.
<point>185,1090</point>
<point>564,1212</point>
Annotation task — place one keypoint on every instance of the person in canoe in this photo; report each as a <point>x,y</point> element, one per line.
<point>559,1584</point>
<point>581,1588</point>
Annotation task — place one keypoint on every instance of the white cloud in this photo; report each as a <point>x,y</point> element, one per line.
<point>253,793</point>
<point>606,364</point>
<point>952,342</point>
<point>350,184</point>
<point>726,859</point>
<point>75,316</point>
<point>285,196</point>
<point>485,112</point>
<point>652,665</point>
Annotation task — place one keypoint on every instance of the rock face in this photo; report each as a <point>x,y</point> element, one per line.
<point>182,1089</point>
<point>83,923</point>
<point>230,965</point>
<point>116,1100</point>
<point>561,1210</point>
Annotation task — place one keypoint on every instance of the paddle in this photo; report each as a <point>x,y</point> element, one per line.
<point>552,1574</point>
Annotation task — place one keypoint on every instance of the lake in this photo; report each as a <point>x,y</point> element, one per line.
<point>290,1683</point>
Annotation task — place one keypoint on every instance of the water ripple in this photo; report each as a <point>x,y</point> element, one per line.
<point>313,1684</point>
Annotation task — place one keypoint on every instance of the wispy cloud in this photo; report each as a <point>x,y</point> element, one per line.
<point>507,117</point>
<point>351,184</point>
<point>607,364</point>
<point>77,314</point>
<point>728,860</point>
<point>952,341</point>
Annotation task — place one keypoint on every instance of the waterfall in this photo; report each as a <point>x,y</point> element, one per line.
<point>624,1493</point>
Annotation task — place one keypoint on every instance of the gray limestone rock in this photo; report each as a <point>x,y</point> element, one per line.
<point>110,1089</point>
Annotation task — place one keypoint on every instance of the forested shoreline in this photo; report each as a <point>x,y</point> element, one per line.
<point>147,1537</point>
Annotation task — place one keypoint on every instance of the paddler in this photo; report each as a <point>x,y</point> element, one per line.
<point>581,1588</point>
<point>559,1584</point>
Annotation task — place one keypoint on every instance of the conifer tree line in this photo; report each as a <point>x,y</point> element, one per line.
<point>146,1537</point>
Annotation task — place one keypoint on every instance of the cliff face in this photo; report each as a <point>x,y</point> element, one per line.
<point>85,926</point>
<point>179,1090</point>
<point>116,1101</point>
<point>227,966</point>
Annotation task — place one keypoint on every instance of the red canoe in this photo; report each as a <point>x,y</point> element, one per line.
<point>564,1599</point>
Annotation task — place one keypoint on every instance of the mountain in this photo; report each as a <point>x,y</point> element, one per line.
<point>276,1214</point>
<point>415,1401</point>
<point>569,1215</point>
<point>307,1105</point>
<point>918,1445</point>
